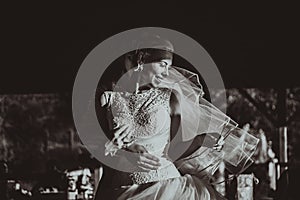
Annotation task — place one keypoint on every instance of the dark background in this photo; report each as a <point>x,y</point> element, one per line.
<point>44,43</point>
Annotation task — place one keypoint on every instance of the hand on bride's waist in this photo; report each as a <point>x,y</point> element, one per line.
<point>142,158</point>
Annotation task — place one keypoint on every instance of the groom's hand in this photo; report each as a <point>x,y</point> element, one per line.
<point>142,159</point>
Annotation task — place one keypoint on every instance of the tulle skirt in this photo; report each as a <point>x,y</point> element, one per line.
<point>184,187</point>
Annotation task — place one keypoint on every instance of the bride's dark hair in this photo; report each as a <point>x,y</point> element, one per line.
<point>156,49</point>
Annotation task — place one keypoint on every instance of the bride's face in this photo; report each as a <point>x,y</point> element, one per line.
<point>154,72</point>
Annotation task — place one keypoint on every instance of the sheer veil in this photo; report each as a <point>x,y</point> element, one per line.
<point>198,116</point>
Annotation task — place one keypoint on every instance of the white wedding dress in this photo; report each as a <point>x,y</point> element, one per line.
<point>148,116</point>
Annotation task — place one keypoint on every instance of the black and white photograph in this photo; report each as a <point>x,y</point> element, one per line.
<point>154,100</point>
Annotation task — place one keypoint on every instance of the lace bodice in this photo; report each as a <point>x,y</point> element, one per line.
<point>147,112</point>
<point>148,116</point>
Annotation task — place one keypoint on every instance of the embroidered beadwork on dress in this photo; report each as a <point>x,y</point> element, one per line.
<point>138,110</point>
<point>147,116</point>
<point>145,113</point>
<point>166,172</point>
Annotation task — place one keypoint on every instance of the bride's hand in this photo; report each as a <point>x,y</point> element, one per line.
<point>142,158</point>
<point>219,145</point>
<point>212,140</point>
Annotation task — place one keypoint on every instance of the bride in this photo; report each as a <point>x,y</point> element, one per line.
<point>167,137</point>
